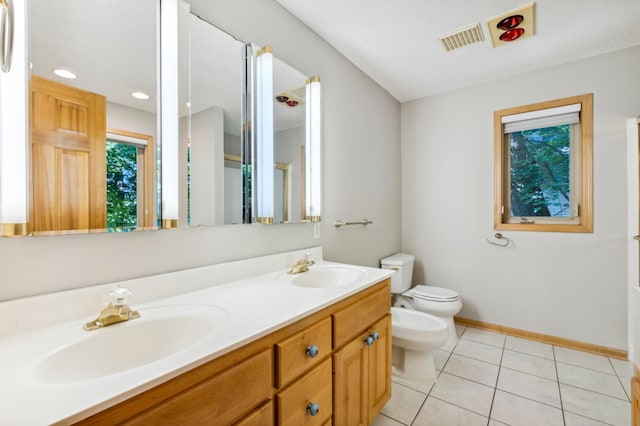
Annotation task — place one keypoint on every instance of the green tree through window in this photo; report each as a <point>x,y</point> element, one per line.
<point>540,172</point>
<point>122,197</point>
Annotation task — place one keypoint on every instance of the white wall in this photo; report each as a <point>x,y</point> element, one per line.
<point>361,136</point>
<point>207,167</point>
<point>121,117</point>
<point>567,285</point>
<point>287,151</point>
<point>633,248</point>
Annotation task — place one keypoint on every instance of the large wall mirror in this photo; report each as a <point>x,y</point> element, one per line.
<point>213,175</point>
<point>93,115</point>
<point>210,126</point>
<point>279,146</point>
<point>94,154</point>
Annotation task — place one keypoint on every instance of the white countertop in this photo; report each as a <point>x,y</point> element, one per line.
<point>244,310</point>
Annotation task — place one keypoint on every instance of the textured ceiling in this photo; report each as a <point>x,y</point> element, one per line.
<point>396,42</point>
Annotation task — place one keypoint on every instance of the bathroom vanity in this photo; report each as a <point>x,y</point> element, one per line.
<point>285,349</point>
<point>280,374</point>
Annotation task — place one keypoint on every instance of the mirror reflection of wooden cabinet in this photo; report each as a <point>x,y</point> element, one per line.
<point>68,168</point>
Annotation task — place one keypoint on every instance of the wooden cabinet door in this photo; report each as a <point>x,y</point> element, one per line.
<point>362,376</point>
<point>350,384</point>
<point>68,166</point>
<point>379,355</point>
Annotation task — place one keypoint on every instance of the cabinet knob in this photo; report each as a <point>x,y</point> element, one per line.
<point>368,341</point>
<point>375,336</point>
<point>313,408</point>
<point>312,351</point>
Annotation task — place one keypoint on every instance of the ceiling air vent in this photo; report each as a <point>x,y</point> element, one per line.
<point>462,37</point>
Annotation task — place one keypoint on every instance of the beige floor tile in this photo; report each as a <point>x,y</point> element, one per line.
<point>440,358</point>
<point>592,380</point>
<point>449,345</point>
<point>463,393</point>
<point>472,369</point>
<point>483,336</point>
<point>435,412</point>
<point>530,364</point>
<point>424,388</point>
<point>571,419</point>
<point>530,347</point>
<point>528,386</point>
<point>583,359</point>
<point>515,410</point>
<point>460,329</point>
<point>623,368</point>
<point>480,351</point>
<point>382,420</point>
<point>626,384</point>
<point>404,403</point>
<point>595,406</point>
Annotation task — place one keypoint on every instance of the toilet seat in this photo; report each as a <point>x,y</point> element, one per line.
<point>433,294</point>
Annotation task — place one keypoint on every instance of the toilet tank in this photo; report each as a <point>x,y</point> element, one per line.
<point>403,265</point>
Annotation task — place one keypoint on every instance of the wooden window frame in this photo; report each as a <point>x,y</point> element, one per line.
<point>584,223</point>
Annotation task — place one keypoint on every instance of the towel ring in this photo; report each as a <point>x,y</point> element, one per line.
<point>499,236</point>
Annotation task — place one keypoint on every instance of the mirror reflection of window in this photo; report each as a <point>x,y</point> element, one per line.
<point>130,171</point>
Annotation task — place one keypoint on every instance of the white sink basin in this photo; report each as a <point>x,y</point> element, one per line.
<point>159,333</point>
<point>321,276</point>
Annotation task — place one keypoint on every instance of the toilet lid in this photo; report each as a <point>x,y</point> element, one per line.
<point>435,294</point>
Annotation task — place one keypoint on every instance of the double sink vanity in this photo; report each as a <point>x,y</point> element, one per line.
<point>242,343</point>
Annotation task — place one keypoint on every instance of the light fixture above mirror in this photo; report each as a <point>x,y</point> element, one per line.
<point>313,151</point>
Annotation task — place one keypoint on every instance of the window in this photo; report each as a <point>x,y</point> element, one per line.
<point>543,166</point>
<point>129,181</point>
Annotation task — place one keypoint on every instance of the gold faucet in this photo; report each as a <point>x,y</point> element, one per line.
<point>117,311</point>
<point>301,265</point>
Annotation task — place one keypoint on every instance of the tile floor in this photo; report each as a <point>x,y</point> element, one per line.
<point>486,378</point>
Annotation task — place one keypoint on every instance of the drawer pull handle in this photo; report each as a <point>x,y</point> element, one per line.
<point>312,351</point>
<point>313,408</point>
<point>368,341</point>
<point>375,336</point>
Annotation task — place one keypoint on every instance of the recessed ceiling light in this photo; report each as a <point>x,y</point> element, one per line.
<point>140,95</point>
<point>64,73</point>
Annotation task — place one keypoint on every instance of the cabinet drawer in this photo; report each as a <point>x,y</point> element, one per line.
<point>294,355</point>
<point>262,416</point>
<point>218,400</point>
<point>314,387</point>
<point>355,318</point>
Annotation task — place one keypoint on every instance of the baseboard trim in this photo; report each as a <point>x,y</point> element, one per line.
<point>544,338</point>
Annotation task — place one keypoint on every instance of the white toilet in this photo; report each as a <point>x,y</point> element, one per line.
<point>441,302</point>
<point>415,335</point>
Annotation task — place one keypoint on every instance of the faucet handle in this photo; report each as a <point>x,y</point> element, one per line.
<point>119,295</point>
